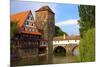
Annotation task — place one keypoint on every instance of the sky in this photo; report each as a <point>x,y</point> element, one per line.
<point>66,15</point>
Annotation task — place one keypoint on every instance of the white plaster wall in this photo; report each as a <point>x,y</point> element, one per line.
<point>66,42</point>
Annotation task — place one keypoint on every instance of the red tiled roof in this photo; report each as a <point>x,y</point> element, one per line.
<point>20,18</point>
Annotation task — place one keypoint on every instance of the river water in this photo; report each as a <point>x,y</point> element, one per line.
<point>44,60</point>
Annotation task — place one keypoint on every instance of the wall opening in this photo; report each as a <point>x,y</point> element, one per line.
<point>75,51</point>
<point>59,51</point>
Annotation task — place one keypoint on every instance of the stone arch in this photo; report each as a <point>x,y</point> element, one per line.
<point>58,46</point>
<point>75,48</point>
<point>62,47</point>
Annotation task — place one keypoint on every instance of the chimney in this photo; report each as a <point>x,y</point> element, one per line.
<point>64,36</point>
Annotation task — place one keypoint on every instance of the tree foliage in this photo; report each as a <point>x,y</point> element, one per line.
<point>13,29</point>
<point>87,32</point>
<point>59,32</point>
<point>87,18</point>
<point>87,46</point>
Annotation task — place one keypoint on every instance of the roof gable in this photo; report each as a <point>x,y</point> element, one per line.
<point>32,29</point>
<point>20,18</point>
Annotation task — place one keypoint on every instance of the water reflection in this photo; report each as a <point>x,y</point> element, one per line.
<point>39,60</point>
<point>76,52</point>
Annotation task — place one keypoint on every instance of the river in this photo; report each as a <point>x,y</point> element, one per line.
<point>44,60</point>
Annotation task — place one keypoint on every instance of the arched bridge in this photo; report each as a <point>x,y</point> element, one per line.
<point>69,43</point>
<point>69,48</point>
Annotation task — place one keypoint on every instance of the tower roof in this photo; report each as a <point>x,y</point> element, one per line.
<point>44,8</point>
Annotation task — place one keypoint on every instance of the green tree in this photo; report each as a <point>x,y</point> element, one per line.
<point>13,31</point>
<point>87,46</point>
<point>87,18</point>
<point>87,32</point>
<point>59,32</point>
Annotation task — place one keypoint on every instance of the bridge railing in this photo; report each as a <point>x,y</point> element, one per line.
<point>66,42</point>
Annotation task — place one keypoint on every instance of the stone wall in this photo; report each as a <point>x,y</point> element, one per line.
<point>45,21</point>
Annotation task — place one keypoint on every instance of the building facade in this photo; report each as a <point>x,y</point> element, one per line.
<point>34,35</point>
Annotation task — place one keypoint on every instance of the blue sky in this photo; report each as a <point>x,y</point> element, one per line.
<point>66,15</point>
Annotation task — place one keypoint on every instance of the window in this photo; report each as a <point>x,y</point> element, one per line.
<point>26,23</point>
<point>30,17</point>
<point>25,29</point>
<point>42,23</point>
<point>33,30</point>
<point>32,42</point>
<point>32,24</point>
<point>30,30</point>
<point>37,42</point>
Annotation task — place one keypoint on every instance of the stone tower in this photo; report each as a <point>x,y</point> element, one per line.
<point>45,20</point>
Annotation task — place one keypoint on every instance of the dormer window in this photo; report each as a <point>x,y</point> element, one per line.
<point>36,31</point>
<point>32,24</point>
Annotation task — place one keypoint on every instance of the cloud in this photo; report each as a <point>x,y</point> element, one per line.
<point>68,22</point>
<point>71,26</point>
